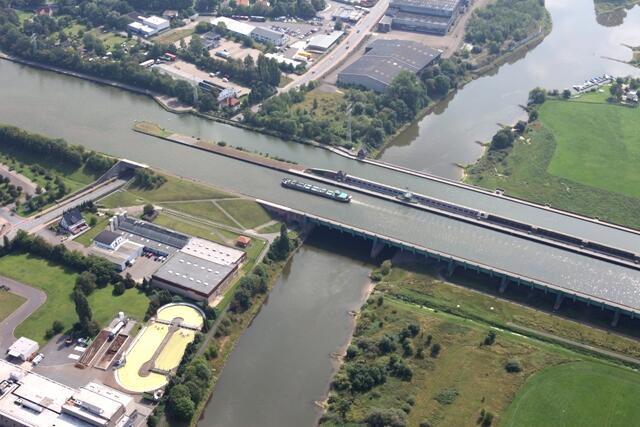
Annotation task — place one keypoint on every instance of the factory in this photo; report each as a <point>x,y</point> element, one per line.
<point>347,14</point>
<point>322,42</point>
<point>147,27</point>
<point>423,16</point>
<point>236,27</point>
<point>200,270</point>
<point>116,249</point>
<point>28,399</point>
<point>269,36</point>
<point>384,60</point>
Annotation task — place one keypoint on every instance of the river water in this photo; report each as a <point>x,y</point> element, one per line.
<point>571,54</point>
<point>282,363</point>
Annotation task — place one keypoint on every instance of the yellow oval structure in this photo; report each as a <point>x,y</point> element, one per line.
<point>191,317</point>
<point>142,351</point>
<point>160,345</point>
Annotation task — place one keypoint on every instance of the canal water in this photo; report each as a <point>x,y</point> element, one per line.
<point>282,363</point>
<point>574,52</point>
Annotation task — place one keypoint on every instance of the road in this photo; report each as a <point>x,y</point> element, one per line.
<point>333,58</point>
<point>33,224</point>
<point>35,298</point>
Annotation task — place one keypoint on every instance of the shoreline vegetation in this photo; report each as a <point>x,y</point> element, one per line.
<point>557,157</point>
<point>424,348</point>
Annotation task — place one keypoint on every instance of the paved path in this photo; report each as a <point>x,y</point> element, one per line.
<point>35,298</point>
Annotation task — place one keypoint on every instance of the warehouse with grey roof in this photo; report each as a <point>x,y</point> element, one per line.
<point>424,16</point>
<point>384,60</point>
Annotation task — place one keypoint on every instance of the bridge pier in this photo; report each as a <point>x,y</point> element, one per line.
<point>559,299</point>
<point>616,317</point>
<point>376,248</point>
<point>503,284</point>
<point>451,268</point>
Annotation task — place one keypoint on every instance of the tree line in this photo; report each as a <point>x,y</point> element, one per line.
<point>504,22</point>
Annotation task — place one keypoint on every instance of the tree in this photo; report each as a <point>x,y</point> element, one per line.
<point>392,417</point>
<point>386,345</point>
<point>148,210</point>
<point>537,96</point>
<point>513,366</point>
<point>82,307</point>
<point>118,289</point>
<point>435,350</point>
<point>128,281</point>
<point>179,404</point>
<point>281,246</point>
<point>533,116</point>
<point>490,338</point>
<point>86,282</point>
<point>502,139</point>
<point>566,94</point>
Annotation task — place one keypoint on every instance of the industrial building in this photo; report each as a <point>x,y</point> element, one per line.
<point>23,348</point>
<point>124,254</point>
<point>428,24</point>
<point>147,27</point>
<point>155,239</point>
<point>267,35</point>
<point>32,400</point>
<point>424,16</point>
<point>446,8</point>
<point>323,42</point>
<point>347,14</point>
<point>200,270</point>
<point>236,27</point>
<point>384,60</point>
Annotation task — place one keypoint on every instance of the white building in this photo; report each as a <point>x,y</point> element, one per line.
<point>234,26</point>
<point>323,42</point>
<point>266,35</point>
<point>281,59</point>
<point>141,29</point>
<point>23,348</point>
<point>155,22</point>
<point>28,399</point>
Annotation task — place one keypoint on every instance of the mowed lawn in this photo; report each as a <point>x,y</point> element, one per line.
<point>9,303</point>
<point>598,144</point>
<point>576,395</point>
<point>58,282</point>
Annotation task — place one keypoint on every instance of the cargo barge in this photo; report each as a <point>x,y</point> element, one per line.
<point>336,195</point>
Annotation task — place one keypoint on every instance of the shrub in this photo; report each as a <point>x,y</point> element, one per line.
<point>446,396</point>
<point>118,289</point>
<point>435,350</point>
<point>392,417</point>
<point>490,338</point>
<point>513,366</point>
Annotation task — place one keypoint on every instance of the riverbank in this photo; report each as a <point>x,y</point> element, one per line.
<point>432,340</point>
<point>558,161</point>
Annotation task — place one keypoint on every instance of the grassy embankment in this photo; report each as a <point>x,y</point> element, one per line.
<point>454,386</point>
<point>581,155</point>
<point>196,209</point>
<point>58,282</point>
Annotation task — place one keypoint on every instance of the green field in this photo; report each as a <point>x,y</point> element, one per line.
<point>58,282</point>
<point>247,212</point>
<point>9,303</point>
<point>576,395</point>
<point>205,209</point>
<point>581,156</point>
<point>596,144</point>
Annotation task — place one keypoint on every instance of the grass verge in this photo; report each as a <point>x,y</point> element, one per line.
<point>9,302</point>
